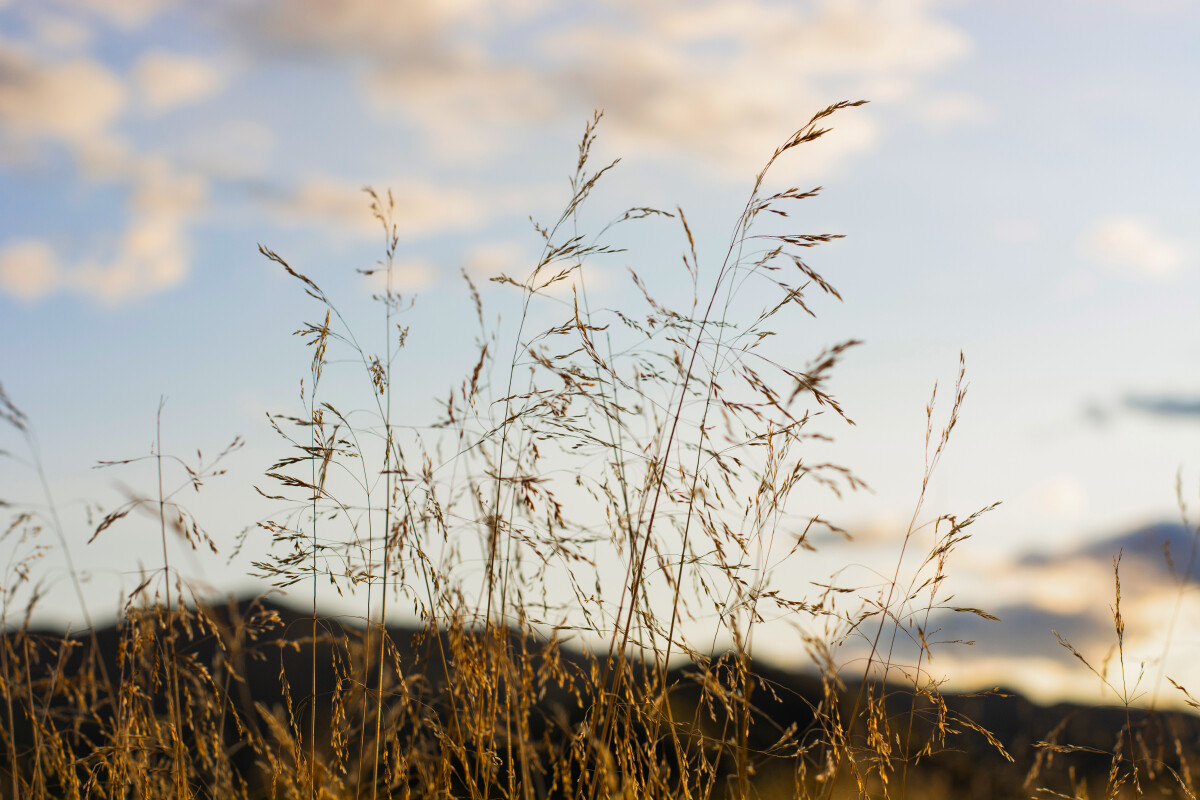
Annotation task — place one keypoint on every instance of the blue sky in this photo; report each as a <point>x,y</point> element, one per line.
<point>1021,187</point>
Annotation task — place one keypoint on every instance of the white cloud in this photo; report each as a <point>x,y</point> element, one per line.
<point>151,254</point>
<point>880,529</point>
<point>105,158</point>
<point>160,190</point>
<point>1135,246</point>
<point>28,269</point>
<point>1044,680</point>
<point>487,261</point>
<point>725,81</point>
<point>75,101</point>
<point>429,62</point>
<point>951,109</point>
<point>460,102</point>
<point>167,81</point>
<point>722,83</point>
<point>422,208</point>
<point>662,101</point>
<point>1063,496</point>
<point>851,38</point>
<point>330,202</point>
<point>408,275</point>
<point>125,13</point>
<point>375,27</point>
<point>729,83</point>
<point>1067,586</point>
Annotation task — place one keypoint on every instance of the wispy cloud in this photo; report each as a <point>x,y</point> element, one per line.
<point>77,104</point>
<point>422,208</point>
<point>375,28</point>
<point>150,255</point>
<point>124,13</point>
<point>58,32</point>
<point>721,80</point>
<point>1062,496</point>
<point>407,275</point>
<point>664,101</point>
<point>74,101</point>
<point>1135,246</point>
<point>166,80</point>
<point>28,269</point>
<point>718,84</point>
<point>492,259</point>
<point>466,106</point>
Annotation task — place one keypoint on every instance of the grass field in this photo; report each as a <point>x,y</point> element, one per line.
<point>630,480</point>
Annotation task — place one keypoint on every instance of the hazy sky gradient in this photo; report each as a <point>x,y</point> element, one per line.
<point>1021,187</point>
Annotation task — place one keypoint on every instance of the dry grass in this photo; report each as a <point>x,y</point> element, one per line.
<point>630,480</point>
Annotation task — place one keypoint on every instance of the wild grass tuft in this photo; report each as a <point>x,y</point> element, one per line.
<point>589,537</point>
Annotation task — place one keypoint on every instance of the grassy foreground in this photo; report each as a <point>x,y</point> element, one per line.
<point>632,480</point>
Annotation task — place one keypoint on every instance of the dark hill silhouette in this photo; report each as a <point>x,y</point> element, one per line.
<point>967,766</point>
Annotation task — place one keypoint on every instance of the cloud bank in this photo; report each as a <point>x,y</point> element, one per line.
<point>718,84</point>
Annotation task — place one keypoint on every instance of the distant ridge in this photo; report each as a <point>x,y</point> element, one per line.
<point>970,767</point>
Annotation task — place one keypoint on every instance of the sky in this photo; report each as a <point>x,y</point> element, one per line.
<point>1021,188</point>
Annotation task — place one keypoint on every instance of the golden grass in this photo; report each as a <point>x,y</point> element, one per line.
<point>623,478</point>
